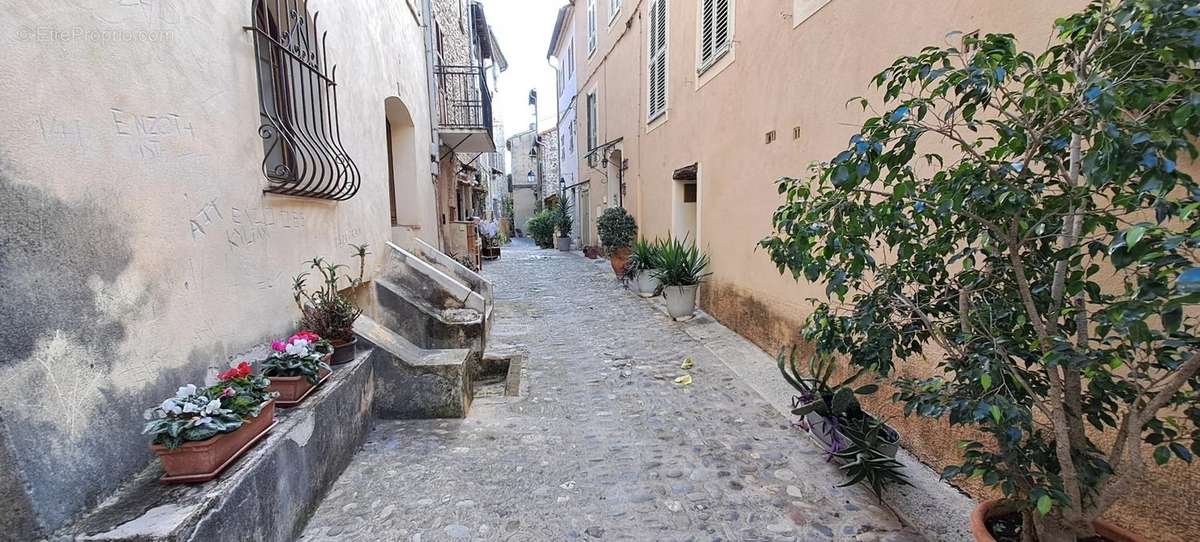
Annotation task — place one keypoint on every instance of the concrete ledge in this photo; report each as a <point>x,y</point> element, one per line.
<point>412,382</point>
<point>269,494</point>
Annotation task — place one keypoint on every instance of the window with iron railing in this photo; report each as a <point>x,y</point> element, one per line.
<point>303,153</point>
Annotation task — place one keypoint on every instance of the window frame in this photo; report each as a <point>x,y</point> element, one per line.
<point>614,9</point>
<point>592,29</point>
<point>592,107</point>
<point>653,56</point>
<point>718,51</point>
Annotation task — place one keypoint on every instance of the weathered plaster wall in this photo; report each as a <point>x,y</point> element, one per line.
<point>139,252</point>
<point>780,77</point>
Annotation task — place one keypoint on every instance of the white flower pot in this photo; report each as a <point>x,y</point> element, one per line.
<point>564,243</point>
<point>647,284</point>
<point>681,301</point>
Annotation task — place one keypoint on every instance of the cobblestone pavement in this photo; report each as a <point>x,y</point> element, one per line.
<point>603,445</point>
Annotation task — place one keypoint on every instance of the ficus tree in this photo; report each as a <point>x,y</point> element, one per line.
<point>1022,218</point>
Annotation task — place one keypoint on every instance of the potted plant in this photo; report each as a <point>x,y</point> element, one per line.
<point>617,230</point>
<point>865,445</point>
<point>490,239</point>
<point>297,366</point>
<point>201,431</point>
<point>591,252</point>
<point>327,311</point>
<point>562,219</point>
<point>540,228</point>
<point>643,264</point>
<point>681,270</point>
<point>1023,217</point>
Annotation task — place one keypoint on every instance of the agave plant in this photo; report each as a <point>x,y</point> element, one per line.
<point>680,263</point>
<point>644,256</point>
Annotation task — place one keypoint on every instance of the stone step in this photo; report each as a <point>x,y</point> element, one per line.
<point>269,493</point>
<point>413,382</point>
<point>401,310</point>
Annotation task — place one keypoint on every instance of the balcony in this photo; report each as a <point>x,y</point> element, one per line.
<point>464,108</point>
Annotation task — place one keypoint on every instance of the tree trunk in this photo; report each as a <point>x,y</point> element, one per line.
<point>1053,528</point>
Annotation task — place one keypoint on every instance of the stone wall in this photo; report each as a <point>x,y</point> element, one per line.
<point>140,252</point>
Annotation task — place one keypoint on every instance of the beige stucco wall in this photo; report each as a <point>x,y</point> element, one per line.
<point>780,77</point>
<point>143,251</point>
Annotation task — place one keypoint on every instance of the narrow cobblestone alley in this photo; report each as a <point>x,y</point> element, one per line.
<point>603,444</point>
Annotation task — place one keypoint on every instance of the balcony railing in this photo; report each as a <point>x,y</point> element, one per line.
<point>464,101</point>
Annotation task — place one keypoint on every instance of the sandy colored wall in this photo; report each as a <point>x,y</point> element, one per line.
<point>139,251</point>
<point>780,77</point>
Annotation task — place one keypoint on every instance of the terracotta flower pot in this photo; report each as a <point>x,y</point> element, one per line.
<point>344,351</point>
<point>293,389</point>
<point>618,259</point>
<point>996,507</point>
<point>203,460</point>
<point>591,252</point>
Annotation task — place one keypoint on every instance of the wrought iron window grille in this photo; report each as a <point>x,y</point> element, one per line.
<point>298,107</point>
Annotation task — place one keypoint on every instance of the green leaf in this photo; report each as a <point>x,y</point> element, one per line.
<point>1162,454</point>
<point>985,381</point>
<point>1134,234</point>
<point>996,414</point>
<point>1044,503</point>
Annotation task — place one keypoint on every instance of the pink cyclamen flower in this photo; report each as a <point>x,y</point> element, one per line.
<point>229,392</point>
<point>278,346</point>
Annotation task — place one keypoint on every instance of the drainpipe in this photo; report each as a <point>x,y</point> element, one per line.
<point>435,141</point>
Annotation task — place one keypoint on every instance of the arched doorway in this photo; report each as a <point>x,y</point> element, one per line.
<point>405,197</point>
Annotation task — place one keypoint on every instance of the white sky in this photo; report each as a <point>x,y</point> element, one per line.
<point>523,28</point>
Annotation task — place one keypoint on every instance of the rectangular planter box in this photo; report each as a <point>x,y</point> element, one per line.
<point>293,389</point>
<point>203,460</point>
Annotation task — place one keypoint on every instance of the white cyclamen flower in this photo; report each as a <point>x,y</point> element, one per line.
<point>186,391</point>
<point>298,348</point>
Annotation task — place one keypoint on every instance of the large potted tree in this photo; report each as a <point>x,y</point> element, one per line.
<point>1020,218</point>
<point>540,228</point>
<point>328,311</point>
<point>681,269</point>
<point>617,230</point>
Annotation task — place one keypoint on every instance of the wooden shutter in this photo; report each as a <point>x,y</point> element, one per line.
<point>714,29</point>
<point>591,22</point>
<point>657,95</point>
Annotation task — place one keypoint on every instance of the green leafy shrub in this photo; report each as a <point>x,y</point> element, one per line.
<point>680,263</point>
<point>617,228</point>
<point>540,228</point>
<point>1042,241</point>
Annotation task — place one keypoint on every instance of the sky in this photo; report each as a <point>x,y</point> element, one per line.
<point>523,28</point>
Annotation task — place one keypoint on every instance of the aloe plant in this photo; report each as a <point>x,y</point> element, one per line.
<point>680,263</point>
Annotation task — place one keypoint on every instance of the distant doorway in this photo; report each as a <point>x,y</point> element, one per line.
<point>686,203</point>
<point>585,217</point>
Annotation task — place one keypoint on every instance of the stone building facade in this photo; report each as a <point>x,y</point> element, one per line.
<point>691,134</point>
<point>152,223</point>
